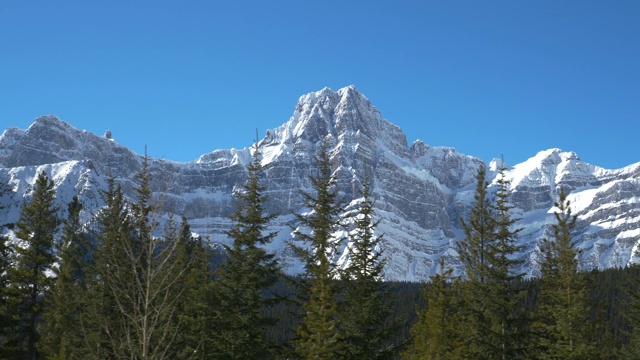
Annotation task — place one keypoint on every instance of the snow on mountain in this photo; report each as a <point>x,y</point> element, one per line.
<point>420,191</point>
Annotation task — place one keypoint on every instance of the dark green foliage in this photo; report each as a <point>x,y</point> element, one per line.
<point>494,323</point>
<point>478,231</point>
<point>318,335</point>
<point>34,257</point>
<point>129,293</point>
<point>365,306</point>
<point>62,338</point>
<point>245,276</point>
<point>631,303</point>
<point>474,251</point>
<point>603,331</point>
<point>562,306</point>
<point>103,328</point>
<point>608,298</point>
<point>195,307</point>
<point>5,262</point>
<point>617,291</point>
<point>138,280</point>
<point>506,330</point>
<point>437,335</point>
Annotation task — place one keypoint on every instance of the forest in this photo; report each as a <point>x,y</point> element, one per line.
<point>126,287</point>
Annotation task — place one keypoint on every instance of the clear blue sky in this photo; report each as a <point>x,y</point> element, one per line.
<point>188,77</point>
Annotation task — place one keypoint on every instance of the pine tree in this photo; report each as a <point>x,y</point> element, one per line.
<point>196,307</point>
<point>506,329</point>
<point>62,338</point>
<point>562,306</point>
<point>100,322</point>
<point>479,232</point>
<point>245,276</point>
<point>34,258</point>
<point>5,261</point>
<point>365,307</point>
<point>318,336</point>
<point>436,335</point>
<point>474,251</point>
<point>5,316</point>
<point>496,325</point>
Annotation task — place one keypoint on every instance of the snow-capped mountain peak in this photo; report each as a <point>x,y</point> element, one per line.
<point>420,191</point>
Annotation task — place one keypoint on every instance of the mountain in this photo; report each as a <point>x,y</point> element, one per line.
<point>420,191</point>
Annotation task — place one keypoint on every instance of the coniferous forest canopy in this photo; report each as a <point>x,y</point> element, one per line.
<point>116,289</point>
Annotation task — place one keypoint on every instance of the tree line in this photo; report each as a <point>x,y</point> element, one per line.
<point>116,289</point>
<point>493,312</point>
<point>123,287</point>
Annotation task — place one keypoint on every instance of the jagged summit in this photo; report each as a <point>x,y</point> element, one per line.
<point>345,116</point>
<point>322,113</point>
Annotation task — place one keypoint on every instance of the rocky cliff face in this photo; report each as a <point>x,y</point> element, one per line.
<point>420,191</point>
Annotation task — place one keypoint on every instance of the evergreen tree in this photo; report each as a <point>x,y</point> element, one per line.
<point>196,307</point>
<point>5,261</point>
<point>245,276</point>
<point>103,327</point>
<point>495,324</point>
<point>506,330</point>
<point>34,258</point>
<point>479,232</point>
<point>436,335</point>
<point>62,338</point>
<point>562,306</point>
<point>365,305</point>
<point>318,335</point>
<point>479,237</point>
<point>5,316</point>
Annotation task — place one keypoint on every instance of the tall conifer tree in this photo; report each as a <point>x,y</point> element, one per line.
<point>495,326</point>
<point>506,330</point>
<point>479,232</point>
<point>100,322</point>
<point>245,276</point>
<point>5,261</point>
<point>364,309</point>
<point>563,309</point>
<point>5,315</point>
<point>28,277</point>
<point>474,250</point>
<point>62,338</point>
<point>318,335</point>
<point>196,308</point>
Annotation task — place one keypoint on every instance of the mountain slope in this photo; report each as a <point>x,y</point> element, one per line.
<point>420,191</point>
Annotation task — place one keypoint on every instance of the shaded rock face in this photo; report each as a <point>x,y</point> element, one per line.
<point>421,192</point>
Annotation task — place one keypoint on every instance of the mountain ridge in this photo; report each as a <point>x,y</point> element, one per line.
<point>420,191</point>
